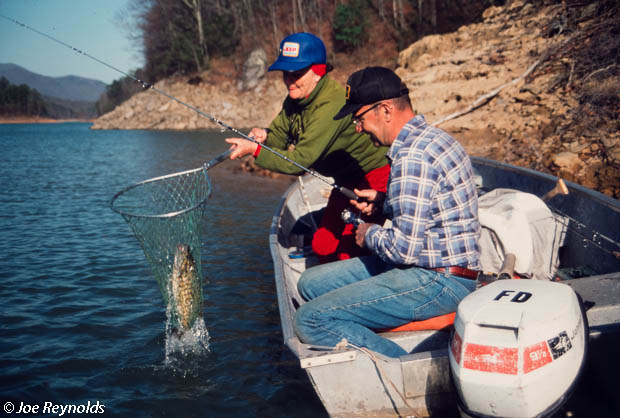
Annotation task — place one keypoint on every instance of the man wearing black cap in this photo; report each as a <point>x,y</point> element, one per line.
<point>427,260</point>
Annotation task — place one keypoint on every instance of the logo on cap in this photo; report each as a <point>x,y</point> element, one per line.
<point>348,91</point>
<point>290,49</point>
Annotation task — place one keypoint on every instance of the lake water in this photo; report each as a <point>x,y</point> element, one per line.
<point>82,320</point>
<point>81,317</point>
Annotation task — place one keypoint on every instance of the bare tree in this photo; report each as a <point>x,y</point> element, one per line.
<point>302,18</point>
<point>294,8</point>
<point>433,11</point>
<point>202,55</point>
<point>273,13</point>
<point>251,18</point>
<point>398,15</point>
<point>320,17</point>
<point>381,10</point>
<point>420,13</point>
<point>401,15</point>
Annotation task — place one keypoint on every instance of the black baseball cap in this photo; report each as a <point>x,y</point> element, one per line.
<point>371,85</point>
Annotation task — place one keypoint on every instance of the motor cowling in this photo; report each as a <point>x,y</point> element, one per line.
<point>517,348</point>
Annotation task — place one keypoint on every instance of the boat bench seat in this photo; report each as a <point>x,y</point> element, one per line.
<point>437,323</point>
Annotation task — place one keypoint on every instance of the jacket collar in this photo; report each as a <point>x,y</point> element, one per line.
<point>307,100</point>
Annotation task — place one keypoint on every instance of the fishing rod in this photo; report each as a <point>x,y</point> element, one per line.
<point>348,193</point>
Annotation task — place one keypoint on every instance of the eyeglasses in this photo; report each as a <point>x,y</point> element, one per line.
<point>357,120</point>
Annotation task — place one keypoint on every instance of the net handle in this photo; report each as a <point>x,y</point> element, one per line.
<point>215,161</point>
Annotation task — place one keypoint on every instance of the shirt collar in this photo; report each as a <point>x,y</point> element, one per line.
<point>416,122</point>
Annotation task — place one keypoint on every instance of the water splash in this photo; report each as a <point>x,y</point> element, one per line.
<point>183,345</point>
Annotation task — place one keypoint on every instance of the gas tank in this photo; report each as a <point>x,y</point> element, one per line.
<point>518,348</point>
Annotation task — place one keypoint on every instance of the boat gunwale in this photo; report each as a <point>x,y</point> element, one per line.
<point>282,294</point>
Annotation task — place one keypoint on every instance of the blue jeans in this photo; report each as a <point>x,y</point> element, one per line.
<point>351,298</point>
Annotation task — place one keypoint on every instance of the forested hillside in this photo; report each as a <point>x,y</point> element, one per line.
<point>20,100</point>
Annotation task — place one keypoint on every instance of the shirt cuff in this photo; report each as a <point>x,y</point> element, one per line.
<point>368,237</point>
<point>257,151</point>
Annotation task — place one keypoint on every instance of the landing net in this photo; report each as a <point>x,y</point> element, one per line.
<point>166,216</point>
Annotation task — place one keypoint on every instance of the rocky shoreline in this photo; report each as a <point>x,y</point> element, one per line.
<point>502,74</point>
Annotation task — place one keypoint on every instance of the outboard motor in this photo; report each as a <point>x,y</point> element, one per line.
<point>518,348</point>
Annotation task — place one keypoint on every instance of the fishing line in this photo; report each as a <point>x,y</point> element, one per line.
<point>348,193</point>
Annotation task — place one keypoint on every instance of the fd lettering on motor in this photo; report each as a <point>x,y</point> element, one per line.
<point>518,297</point>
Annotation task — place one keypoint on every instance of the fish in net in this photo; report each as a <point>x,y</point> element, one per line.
<point>166,216</point>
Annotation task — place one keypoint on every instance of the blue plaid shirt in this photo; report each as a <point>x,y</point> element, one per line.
<point>431,200</point>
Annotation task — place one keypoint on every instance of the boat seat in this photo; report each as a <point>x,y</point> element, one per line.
<point>436,323</point>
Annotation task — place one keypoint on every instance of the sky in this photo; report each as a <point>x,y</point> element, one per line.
<point>88,25</point>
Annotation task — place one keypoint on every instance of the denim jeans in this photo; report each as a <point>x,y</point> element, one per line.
<point>351,298</point>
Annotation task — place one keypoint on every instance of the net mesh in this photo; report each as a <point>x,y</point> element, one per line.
<point>166,215</point>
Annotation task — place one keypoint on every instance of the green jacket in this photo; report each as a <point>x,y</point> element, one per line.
<point>330,147</point>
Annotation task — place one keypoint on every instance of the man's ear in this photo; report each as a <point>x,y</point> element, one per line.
<point>387,109</point>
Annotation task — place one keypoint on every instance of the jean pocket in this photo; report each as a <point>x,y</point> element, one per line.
<point>442,303</point>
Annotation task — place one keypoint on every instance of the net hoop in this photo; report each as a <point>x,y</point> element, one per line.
<point>157,179</point>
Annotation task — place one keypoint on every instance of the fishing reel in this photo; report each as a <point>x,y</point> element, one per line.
<point>350,218</point>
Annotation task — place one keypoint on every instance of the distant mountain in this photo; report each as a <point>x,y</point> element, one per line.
<point>69,87</point>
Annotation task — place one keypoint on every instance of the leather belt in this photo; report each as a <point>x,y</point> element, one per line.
<point>458,271</point>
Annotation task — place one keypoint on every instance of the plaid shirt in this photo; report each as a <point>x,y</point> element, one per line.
<point>431,200</point>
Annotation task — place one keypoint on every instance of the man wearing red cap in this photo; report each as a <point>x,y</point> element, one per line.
<point>306,132</point>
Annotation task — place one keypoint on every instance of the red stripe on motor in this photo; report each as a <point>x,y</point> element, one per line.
<point>535,356</point>
<point>491,359</point>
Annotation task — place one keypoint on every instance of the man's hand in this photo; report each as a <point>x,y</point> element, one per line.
<point>360,233</point>
<point>370,202</point>
<point>259,134</point>
<point>241,147</point>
